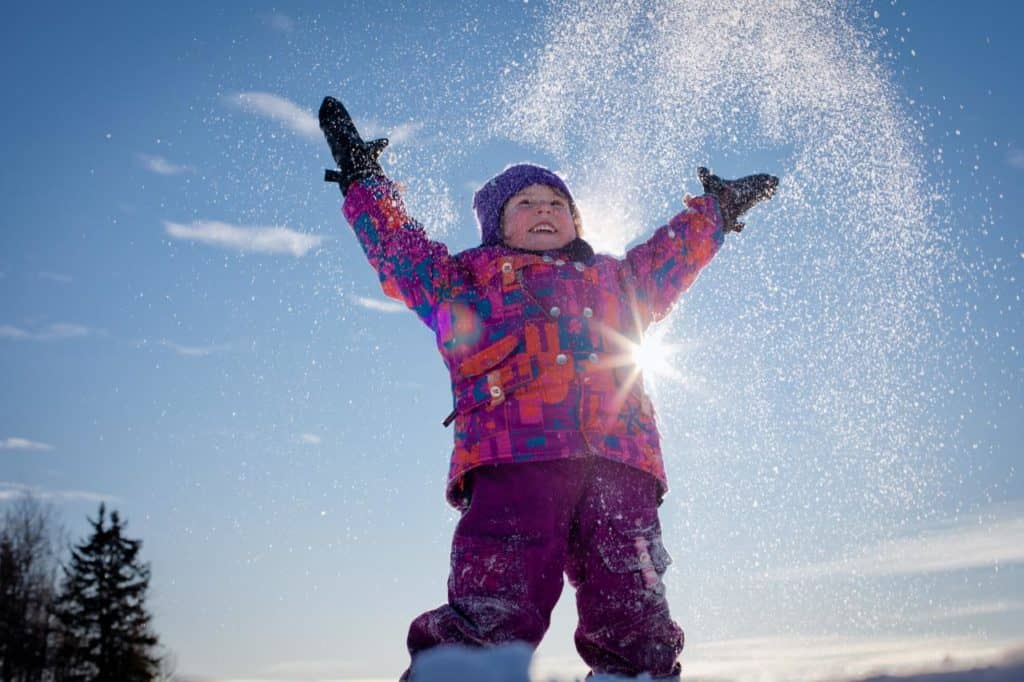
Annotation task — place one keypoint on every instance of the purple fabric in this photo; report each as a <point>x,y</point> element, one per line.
<point>490,199</point>
<point>527,524</point>
<point>536,345</point>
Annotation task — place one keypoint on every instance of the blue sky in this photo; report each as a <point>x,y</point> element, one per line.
<point>189,331</point>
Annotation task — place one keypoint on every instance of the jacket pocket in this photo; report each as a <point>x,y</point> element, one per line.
<point>489,375</point>
<point>480,362</point>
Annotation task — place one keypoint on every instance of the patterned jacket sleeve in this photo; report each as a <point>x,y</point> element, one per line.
<point>412,268</point>
<point>667,264</point>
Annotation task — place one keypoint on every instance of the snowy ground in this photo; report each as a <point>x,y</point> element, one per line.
<point>513,664</point>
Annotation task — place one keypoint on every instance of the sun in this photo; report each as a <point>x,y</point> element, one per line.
<point>650,361</point>
<point>654,356</point>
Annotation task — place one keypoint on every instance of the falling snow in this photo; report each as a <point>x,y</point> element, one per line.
<point>823,365</point>
<point>829,317</point>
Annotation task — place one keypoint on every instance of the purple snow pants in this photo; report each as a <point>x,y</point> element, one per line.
<point>594,520</point>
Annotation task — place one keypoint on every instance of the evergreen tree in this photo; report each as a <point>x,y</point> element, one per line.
<point>105,634</point>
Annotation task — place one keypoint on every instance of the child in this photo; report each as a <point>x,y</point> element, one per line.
<point>557,465</point>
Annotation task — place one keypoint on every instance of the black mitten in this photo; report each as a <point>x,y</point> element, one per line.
<point>356,159</point>
<point>736,197</point>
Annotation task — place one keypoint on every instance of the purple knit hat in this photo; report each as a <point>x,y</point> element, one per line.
<point>490,199</point>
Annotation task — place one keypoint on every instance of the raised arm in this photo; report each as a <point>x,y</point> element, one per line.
<point>412,268</point>
<point>667,264</point>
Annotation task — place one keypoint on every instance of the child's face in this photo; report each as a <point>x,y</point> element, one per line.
<point>538,218</point>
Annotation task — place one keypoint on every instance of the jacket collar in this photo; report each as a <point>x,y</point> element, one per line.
<point>576,250</point>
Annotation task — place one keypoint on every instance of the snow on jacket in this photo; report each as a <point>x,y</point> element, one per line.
<point>538,347</point>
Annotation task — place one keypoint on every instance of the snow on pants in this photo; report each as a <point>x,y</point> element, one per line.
<point>528,523</point>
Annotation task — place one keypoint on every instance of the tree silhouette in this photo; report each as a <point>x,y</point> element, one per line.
<point>105,634</point>
<point>29,541</point>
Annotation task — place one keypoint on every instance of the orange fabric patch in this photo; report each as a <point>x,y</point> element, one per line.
<point>488,357</point>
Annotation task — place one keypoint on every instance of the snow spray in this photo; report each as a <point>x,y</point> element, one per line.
<point>805,414</point>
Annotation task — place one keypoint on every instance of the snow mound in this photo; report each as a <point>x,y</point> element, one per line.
<point>508,663</point>
<point>511,663</point>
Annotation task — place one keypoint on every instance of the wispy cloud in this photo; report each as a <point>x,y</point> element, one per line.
<point>162,166</point>
<point>991,608</point>
<point>322,669</point>
<point>397,135</point>
<point>191,351</point>
<point>772,659</point>
<point>279,22</point>
<point>996,542</point>
<point>13,443</point>
<point>309,670</point>
<point>1016,158</point>
<point>9,332</point>
<point>310,439</point>
<point>12,491</point>
<point>55,277</point>
<point>379,304</point>
<point>242,238</point>
<point>403,132</point>
<point>279,109</point>
<point>305,123</point>
<point>53,332</point>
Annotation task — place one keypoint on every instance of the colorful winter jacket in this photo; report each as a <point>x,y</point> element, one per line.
<point>538,348</point>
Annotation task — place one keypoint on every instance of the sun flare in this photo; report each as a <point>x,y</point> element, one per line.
<point>654,356</point>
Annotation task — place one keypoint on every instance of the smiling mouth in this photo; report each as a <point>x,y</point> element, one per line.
<point>543,228</point>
